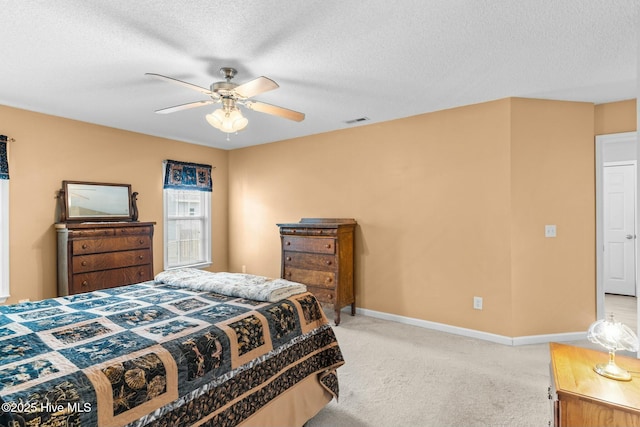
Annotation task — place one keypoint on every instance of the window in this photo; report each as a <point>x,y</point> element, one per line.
<point>187,215</point>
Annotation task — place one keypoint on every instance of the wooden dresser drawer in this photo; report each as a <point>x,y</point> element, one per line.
<point>99,232</point>
<point>124,231</point>
<point>323,294</point>
<point>87,282</point>
<point>105,261</point>
<point>93,246</point>
<point>98,255</point>
<point>309,231</point>
<point>325,279</point>
<point>114,231</point>
<point>320,245</point>
<point>310,261</point>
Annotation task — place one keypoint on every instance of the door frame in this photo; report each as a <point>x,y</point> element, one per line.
<point>601,140</point>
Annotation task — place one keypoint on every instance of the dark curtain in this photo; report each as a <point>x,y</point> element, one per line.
<point>187,176</point>
<point>4,164</point>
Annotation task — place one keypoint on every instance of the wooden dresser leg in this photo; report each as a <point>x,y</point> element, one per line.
<point>353,308</point>
<point>337,316</point>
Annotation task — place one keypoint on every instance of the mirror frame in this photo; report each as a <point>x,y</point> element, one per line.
<point>67,206</point>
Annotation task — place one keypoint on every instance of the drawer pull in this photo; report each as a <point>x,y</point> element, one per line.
<point>84,283</point>
<point>141,241</point>
<point>141,273</point>
<point>84,246</point>
<point>83,263</point>
<point>141,257</point>
<point>330,296</point>
<point>328,245</point>
<point>288,258</point>
<point>288,243</point>
<point>329,262</point>
<point>288,274</point>
<point>329,280</point>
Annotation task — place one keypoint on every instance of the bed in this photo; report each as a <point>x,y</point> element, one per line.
<point>188,348</point>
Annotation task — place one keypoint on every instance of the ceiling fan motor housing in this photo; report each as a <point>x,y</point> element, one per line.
<point>228,72</point>
<point>224,89</point>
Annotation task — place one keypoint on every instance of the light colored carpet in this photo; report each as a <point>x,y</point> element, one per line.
<point>402,375</point>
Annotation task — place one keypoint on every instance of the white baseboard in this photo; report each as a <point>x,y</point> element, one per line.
<point>472,333</point>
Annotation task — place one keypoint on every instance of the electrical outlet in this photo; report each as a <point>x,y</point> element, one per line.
<point>477,303</point>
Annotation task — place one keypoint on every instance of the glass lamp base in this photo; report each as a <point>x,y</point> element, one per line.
<point>613,371</point>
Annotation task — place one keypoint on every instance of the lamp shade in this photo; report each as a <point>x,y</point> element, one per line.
<point>228,121</point>
<point>613,336</point>
<point>215,119</point>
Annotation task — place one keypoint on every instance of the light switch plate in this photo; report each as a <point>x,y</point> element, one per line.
<point>550,230</point>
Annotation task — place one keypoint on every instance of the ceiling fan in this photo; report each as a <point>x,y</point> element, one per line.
<point>230,95</point>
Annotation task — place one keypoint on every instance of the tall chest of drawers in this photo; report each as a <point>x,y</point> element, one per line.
<point>94,256</point>
<point>319,252</point>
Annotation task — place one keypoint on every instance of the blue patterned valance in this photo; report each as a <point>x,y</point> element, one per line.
<point>4,164</point>
<point>187,176</point>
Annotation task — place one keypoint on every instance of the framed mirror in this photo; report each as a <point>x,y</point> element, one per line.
<point>97,202</point>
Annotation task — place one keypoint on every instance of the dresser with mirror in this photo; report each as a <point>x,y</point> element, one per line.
<point>101,244</point>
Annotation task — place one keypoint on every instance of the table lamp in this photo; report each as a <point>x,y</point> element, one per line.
<point>613,336</point>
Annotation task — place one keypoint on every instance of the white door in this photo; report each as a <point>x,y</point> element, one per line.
<point>619,212</point>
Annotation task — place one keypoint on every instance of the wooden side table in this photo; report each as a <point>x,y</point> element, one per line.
<point>584,398</point>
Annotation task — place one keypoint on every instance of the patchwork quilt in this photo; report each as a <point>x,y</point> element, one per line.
<point>154,354</point>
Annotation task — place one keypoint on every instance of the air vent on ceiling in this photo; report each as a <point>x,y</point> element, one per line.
<point>358,120</point>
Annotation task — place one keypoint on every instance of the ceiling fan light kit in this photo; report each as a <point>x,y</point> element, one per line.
<point>227,121</point>
<point>229,118</point>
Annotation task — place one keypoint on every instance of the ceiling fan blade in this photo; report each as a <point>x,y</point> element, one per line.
<point>255,87</point>
<point>275,110</point>
<point>185,84</point>
<point>184,107</point>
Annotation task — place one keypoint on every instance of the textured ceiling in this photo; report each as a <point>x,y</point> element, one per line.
<point>334,60</point>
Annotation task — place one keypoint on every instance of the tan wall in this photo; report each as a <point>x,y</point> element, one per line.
<point>433,198</point>
<point>48,150</point>
<point>615,117</point>
<point>552,182</point>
